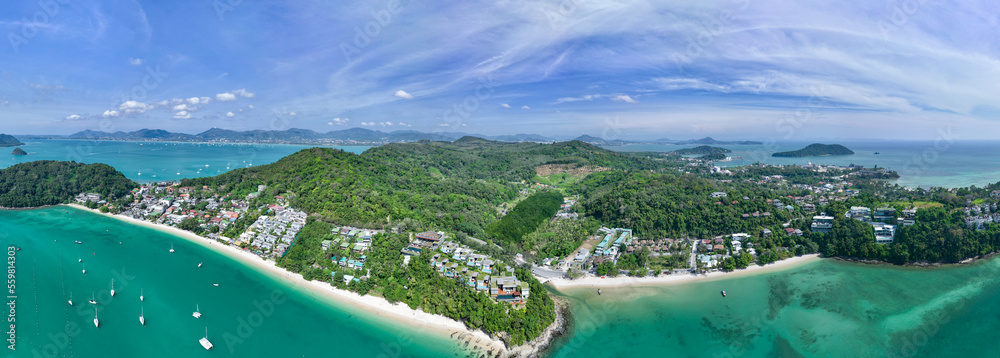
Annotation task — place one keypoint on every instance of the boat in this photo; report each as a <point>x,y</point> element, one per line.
<point>79,259</point>
<point>84,269</point>
<point>140,295</point>
<point>142,319</point>
<point>215,284</point>
<point>96,322</point>
<point>876,152</point>
<point>171,247</point>
<point>199,264</point>
<point>92,300</point>
<point>71,298</point>
<point>598,292</point>
<point>112,287</point>
<point>197,311</point>
<point>78,242</point>
<point>723,293</point>
<point>204,341</point>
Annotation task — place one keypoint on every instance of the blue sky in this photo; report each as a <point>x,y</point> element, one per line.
<point>735,69</point>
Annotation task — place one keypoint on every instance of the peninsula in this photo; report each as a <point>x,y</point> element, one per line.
<point>9,141</point>
<point>816,150</point>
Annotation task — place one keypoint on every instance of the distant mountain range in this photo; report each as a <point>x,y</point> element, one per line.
<point>359,136</point>
<point>295,135</point>
<point>702,141</point>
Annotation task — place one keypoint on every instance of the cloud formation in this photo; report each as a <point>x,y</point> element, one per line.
<point>402,94</point>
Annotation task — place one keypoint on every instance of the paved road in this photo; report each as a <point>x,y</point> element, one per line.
<point>546,273</point>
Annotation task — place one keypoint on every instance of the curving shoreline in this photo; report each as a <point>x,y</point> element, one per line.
<point>376,307</point>
<point>675,279</point>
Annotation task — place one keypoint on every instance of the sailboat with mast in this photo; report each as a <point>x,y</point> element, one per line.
<point>71,298</point>
<point>92,296</point>
<point>142,319</point>
<point>171,248</point>
<point>112,287</point>
<point>97,323</point>
<point>204,341</point>
<point>197,311</point>
<point>84,269</point>
<point>140,295</point>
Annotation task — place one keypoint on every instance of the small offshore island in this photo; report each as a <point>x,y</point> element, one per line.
<point>19,151</point>
<point>816,150</point>
<point>427,226</point>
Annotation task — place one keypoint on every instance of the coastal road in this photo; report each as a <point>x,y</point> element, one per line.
<point>694,255</point>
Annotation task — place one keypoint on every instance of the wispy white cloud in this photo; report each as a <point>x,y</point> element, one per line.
<point>402,94</point>
<point>230,114</point>
<point>624,98</point>
<point>225,97</point>
<point>135,61</point>
<point>182,115</point>
<point>74,117</point>
<point>504,105</point>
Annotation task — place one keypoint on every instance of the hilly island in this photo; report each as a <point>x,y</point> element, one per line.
<point>9,141</point>
<point>816,150</point>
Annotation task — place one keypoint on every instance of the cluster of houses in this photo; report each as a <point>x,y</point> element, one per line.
<point>612,245</point>
<point>91,197</point>
<point>165,203</point>
<point>477,271</point>
<point>662,246</point>
<point>352,242</point>
<point>883,220</point>
<point>714,250</point>
<point>978,216</point>
<point>566,210</point>
<point>272,235</point>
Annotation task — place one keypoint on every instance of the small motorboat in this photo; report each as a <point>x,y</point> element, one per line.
<point>199,264</point>
<point>78,242</point>
<point>723,293</point>
<point>215,284</point>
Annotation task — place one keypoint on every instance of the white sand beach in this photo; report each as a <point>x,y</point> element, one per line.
<point>376,306</point>
<point>665,280</point>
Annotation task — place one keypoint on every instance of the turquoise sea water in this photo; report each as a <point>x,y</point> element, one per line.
<point>157,161</point>
<point>919,163</point>
<point>249,314</point>
<point>821,309</point>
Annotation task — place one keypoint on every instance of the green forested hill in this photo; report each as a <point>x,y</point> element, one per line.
<point>9,141</point>
<point>356,190</point>
<point>665,205</point>
<point>451,185</point>
<point>471,157</point>
<point>49,182</point>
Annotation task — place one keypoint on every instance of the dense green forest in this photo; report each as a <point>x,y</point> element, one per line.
<point>49,182</point>
<point>448,185</point>
<point>525,217</point>
<point>9,141</point>
<point>352,189</point>
<point>815,150</point>
<point>418,285</point>
<point>667,205</point>
<point>471,157</point>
